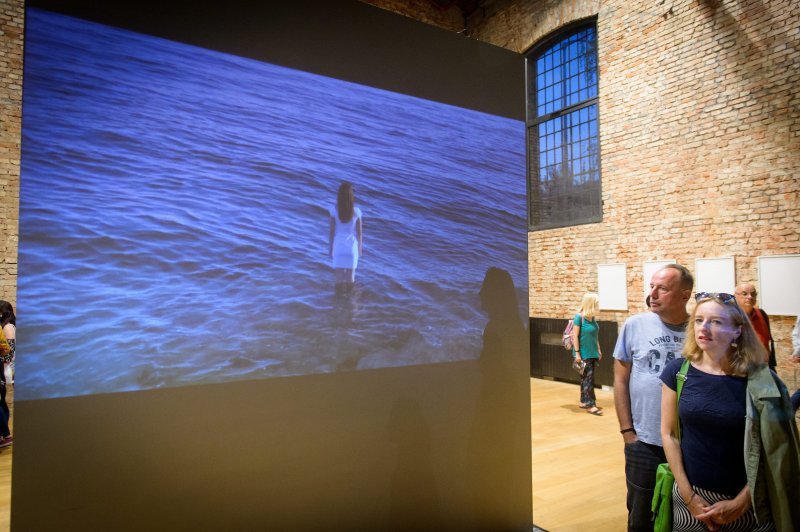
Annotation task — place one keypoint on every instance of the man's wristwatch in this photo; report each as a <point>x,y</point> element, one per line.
<point>629,429</point>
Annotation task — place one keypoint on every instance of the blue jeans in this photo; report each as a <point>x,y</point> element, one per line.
<point>796,400</point>
<point>641,461</point>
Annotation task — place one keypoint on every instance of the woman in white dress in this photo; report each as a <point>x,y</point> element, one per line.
<point>345,239</point>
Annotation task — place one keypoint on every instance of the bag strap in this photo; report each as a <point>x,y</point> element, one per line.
<point>578,324</point>
<point>681,376</point>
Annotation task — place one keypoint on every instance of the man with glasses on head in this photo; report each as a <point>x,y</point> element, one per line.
<point>746,298</point>
<point>648,341</point>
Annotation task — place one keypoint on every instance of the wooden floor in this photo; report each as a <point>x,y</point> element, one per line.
<point>578,462</point>
<point>5,471</point>
<point>578,467</point>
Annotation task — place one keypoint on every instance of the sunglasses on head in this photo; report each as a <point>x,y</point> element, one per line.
<point>722,296</point>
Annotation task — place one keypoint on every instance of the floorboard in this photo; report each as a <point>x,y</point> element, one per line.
<point>5,470</point>
<point>578,462</point>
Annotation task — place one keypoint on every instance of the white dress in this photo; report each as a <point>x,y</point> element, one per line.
<point>345,241</point>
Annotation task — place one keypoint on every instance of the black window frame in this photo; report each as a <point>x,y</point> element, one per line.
<point>590,199</point>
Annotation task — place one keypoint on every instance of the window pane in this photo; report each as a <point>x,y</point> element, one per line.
<point>564,171</point>
<point>570,67</point>
<point>566,188</point>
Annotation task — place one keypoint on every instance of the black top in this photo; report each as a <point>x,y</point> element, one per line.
<point>712,413</point>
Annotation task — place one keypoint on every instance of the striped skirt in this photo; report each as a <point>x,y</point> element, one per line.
<point>683,521</point>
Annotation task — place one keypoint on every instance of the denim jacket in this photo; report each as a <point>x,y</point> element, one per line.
<point>772,451</point>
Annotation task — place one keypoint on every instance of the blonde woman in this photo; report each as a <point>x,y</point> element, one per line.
<point>736,460</point>
<point>586,348</point>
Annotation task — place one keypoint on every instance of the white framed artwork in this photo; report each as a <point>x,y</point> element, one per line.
<point>716,274</point>
<point>779,284</point>
<point>612,286</point>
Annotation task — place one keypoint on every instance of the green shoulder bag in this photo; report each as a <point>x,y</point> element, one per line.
<point>662,495</point>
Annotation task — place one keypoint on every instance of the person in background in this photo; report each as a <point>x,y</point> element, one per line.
<point>648,341</point>
<point>345,241</point>
<point>736,459</point>
<point>796,360</point>
<point>8,323</point>
<point>746,298</point>
<point>586,347</point>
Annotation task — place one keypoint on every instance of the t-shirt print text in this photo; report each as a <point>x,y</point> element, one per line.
<point>663,349</point>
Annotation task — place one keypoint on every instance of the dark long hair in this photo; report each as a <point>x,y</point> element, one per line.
<point>7,314</point>
<point>345,202</point>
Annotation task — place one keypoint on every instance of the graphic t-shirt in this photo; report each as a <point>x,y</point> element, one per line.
<point>648,344</point>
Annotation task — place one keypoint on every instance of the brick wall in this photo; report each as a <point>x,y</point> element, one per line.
<point>447,16</point>
<point>700,148</point>
<point>11,34</point>
<point>700,141</point>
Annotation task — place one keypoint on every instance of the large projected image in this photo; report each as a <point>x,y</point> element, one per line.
<point>175,213</point>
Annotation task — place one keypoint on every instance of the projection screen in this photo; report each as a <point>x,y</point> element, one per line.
<point>180,323</point>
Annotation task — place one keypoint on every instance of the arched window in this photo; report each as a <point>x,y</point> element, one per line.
<point>563,141</point>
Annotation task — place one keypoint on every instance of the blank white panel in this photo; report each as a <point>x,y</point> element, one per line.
<point>715,275</point>
<point>779,284</point>
<point>651,267</point>
<point>612,286</point>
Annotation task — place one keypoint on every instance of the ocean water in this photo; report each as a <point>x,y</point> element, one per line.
<point>174,226</point>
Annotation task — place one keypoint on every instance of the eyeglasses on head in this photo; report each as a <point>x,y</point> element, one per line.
<point>722,296</point>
